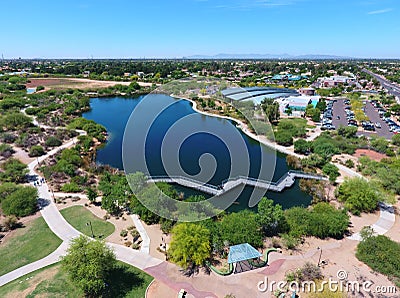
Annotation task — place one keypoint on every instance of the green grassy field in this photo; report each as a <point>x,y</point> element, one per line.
<point>125,281</point>
<point>79,216</point>
<point>29,244</point>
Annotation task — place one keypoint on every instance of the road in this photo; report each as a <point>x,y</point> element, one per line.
<point>388,85</point>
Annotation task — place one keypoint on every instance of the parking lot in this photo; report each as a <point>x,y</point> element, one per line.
<point>339,117</point>
<point>339,110</point>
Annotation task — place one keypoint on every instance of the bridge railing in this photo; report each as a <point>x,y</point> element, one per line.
<point>219,187</point>
<point>182,178</point>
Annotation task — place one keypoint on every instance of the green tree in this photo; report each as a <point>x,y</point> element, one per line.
<point>302,146</point>
<point>91,194</point>
<point>21,202</point>
<point>271,109</point>
<point>88,264</point>
<point>190,245</point>
<point>13,171</point>
<point>332,171</point>
<point>358,195</point>
<point>240,227</point>
<point>270,217</point>
<point>6,189</point>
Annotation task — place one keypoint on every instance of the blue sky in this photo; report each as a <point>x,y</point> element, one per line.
<point>176,28</point>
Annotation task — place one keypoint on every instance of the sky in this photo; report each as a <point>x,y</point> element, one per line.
<point>181,28</point>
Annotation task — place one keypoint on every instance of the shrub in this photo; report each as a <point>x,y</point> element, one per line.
<point>6,150</point>
<point>71,187</point>
<point>284,138</point>
<point>13,171</point>
<point>36,151</point>
<point>396,139</point>
<point>382,255</point>
<point>10,223</point>
<point>358,195</point>
<point>123,233</point>
<point>53,142</point>
<point>349,163</point>
<point>332,171</point>
<point>302,146</point>
<point>293,162</point>
<point>289,241</point>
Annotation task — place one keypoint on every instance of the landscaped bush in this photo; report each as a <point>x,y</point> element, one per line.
<point>322,221</point>
<point>332,171</point>
<point>36,151</point>
<point>302,146</point>
<point>6,150</point>
<point>71,187</point>
<point>13,171</point>
<point>284,138</point>
<point>387,172</point>
<point>382,255</point>
<point>358,195</point>
<point>53,142</point>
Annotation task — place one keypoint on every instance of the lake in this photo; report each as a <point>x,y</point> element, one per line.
<point>200,140</point>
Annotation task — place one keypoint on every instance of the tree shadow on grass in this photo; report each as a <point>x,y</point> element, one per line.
<point>121,281</point>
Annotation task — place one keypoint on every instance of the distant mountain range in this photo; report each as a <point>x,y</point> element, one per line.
<point>268,56</point>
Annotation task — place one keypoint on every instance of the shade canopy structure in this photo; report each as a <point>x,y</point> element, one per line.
<point>242,252</point>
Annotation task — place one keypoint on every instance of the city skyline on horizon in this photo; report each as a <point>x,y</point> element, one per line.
<point>157,30</point>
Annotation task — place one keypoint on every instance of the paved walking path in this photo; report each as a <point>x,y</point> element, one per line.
<point>59,226</point>
<point>385,222</point>
<point>145,245</point>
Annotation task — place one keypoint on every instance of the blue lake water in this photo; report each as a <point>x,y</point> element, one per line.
<point>114,114</point>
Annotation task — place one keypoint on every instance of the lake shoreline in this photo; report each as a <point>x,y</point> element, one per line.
<point>243,127</point>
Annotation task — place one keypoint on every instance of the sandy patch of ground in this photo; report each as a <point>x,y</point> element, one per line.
<point>122,223</point>
<point>63,83</point>
<point>366,219</point>
<point>370,153</point>
<point>34,281</point>
<point>156,239</point>
<point>22,155</point>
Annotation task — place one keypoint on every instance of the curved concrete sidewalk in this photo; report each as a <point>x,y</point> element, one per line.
<point>59,226</point>
<point>385,222</point>
<point>145,246</point>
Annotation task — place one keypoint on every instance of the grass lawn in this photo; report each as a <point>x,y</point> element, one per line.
<point>29,244</point>
<point>298,122</point>
<point>125,281</point>
<point>79,216</point>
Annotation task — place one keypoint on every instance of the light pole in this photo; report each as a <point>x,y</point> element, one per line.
<point>91,228</point>
<point>320,254</point>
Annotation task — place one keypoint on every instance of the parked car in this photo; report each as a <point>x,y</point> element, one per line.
<point>328,127</point>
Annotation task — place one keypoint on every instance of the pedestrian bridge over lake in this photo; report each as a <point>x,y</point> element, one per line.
<point>286,181</point>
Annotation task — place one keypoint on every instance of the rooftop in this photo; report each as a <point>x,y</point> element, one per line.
<point>242,252</point>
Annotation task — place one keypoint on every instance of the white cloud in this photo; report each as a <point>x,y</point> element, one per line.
<point>380,11</point>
